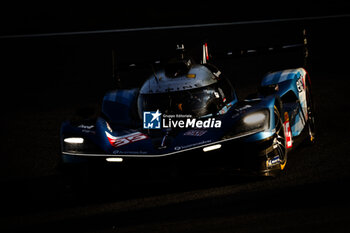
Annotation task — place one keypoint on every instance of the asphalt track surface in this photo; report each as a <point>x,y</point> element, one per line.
<point>311,195</point>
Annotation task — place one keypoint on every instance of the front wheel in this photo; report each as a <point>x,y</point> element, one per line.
<point>276,160</point>
<point>310,115</point>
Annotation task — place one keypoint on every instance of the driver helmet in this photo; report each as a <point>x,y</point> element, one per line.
<point>197,90</point>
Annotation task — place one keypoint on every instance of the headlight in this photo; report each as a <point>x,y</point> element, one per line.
<point>74,140</point>
<point>252,122</point>
<point>256,121</point>
<point>254,118</point>
<point>79,145</point>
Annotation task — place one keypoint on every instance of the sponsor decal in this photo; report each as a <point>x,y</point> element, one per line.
<point>86,126</point>
<point>177,148</point>
<point>195,132</point>
<point>89,129</point>
<point>245,107</point>
<point>300,85</point>
<point>272,162</point>
<point>125,139</point>
<point>119,152</point>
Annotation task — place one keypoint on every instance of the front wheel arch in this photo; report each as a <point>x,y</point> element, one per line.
<point>279,151</point>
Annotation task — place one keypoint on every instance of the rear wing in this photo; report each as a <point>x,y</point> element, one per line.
<point>150,57</point>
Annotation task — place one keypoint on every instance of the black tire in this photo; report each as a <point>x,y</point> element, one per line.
<point>279,150</point>
<point>311,116</point>
<point>280,139</point>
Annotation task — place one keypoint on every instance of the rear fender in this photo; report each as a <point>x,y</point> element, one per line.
<point>284,75</point>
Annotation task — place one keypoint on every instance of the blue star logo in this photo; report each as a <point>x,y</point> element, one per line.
<point>151,120</point>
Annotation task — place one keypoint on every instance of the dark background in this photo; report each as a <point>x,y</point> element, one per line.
<point>61,17</point>
<point>46,79</point>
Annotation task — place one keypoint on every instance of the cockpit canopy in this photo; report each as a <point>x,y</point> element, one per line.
<point>197,92</point>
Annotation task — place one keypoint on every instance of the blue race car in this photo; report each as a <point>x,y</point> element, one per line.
<point>188,113</point>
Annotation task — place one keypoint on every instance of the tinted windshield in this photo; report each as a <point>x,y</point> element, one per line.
<point>196,102</point>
